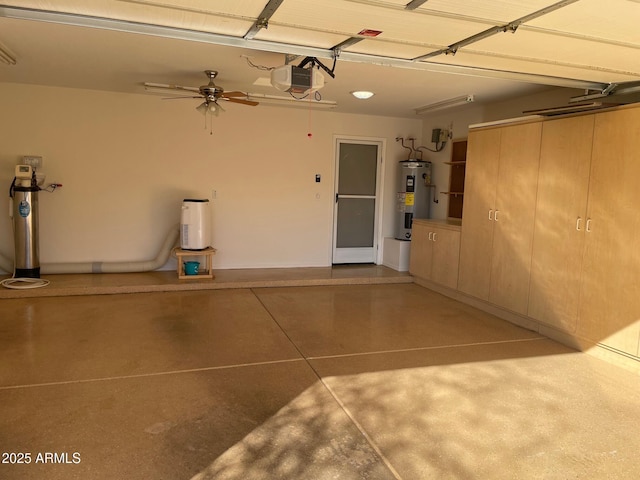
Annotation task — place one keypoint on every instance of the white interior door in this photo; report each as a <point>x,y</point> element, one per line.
<point>355,218</point>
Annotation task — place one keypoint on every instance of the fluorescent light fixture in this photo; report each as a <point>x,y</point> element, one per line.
<point>362,94</point>
<point>451,103</point>
<point>6,56</point>
<point>291,101</point>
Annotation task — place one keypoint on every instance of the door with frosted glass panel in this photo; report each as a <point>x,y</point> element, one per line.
<point>356,203</point>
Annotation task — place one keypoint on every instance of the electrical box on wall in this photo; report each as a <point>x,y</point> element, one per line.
<point>439,135</point>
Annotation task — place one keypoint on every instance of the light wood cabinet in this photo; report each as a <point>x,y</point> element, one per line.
<point>584,277</point>
<point>551,224</point>
<point>483,152</point>
<point>498,215</point>
<point>435,247</point>
<point>421,249</point>
<point>561,215</point>
<point>609,310</point>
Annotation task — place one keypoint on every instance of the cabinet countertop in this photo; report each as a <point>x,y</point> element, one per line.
<point>451,224</point>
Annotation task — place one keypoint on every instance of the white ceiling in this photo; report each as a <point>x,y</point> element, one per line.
<point>119,44</point>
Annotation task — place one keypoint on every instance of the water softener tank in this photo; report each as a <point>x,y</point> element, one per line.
<point>25,220</point>
<point>195,224</point>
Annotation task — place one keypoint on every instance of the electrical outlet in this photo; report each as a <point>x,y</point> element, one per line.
<point>34,161</point>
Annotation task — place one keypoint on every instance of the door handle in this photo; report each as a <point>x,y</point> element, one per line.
<point>588,226</point>
<point>434,236</point>
<point>578,222</point>
<point>495,215</point>
<point>490,214</point>
<point>430,236</point>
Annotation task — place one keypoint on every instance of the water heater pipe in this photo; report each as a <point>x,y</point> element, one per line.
<point>107,267</point>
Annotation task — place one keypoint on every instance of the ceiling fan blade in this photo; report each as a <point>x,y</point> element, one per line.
<point>240,100</point>
<point>234,94</point>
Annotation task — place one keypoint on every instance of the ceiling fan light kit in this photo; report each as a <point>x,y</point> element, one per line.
<point>209,107</point>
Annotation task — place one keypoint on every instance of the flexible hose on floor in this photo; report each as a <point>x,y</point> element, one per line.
<point>18,283</point>
<point>104,267</point>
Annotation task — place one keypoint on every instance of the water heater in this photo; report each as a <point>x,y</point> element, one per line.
<point>413,197</point>
<point>195,224</point>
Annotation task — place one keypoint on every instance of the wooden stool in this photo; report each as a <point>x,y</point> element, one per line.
<point>207,253</point>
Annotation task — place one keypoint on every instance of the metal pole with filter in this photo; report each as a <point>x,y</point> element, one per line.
<point>24,195</point>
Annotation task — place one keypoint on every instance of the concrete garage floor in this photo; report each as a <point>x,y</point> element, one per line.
<point>360,381</point>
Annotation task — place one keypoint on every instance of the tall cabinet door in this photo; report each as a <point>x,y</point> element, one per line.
<point>610,295</point>
<point>559,234</point>
<point>514,216</point>
<point>483,154</point>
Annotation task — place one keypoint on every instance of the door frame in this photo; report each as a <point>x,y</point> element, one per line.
<point>378,212</point>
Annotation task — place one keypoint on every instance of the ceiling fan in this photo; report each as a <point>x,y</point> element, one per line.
<point>210,92</point>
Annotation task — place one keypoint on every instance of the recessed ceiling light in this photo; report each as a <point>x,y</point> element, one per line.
<point>362,94</point>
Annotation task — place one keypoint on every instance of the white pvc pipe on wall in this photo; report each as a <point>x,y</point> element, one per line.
<point>106,267</point>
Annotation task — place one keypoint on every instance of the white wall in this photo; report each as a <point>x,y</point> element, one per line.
<point>127,161</point>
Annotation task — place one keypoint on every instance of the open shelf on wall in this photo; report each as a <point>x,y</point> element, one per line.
<point>458,165</point>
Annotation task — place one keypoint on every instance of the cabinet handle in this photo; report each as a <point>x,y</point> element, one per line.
<point>430,234</point>
<point>490,214</point>
<point>578,222</point>
<point>588,229</point>
<point>434,236</point>
<point>495,215</point>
